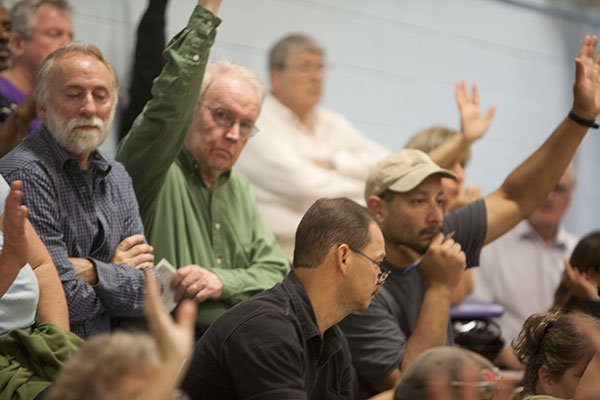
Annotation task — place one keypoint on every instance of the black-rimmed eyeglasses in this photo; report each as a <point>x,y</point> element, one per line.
<point>225,119</point>
<point>383,272</point>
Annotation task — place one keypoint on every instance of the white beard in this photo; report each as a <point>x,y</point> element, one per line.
<point>75,140</point>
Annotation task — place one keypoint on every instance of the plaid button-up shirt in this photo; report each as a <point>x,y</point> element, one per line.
<point>81,218</point>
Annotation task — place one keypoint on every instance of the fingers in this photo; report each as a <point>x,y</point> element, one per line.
<point>437,239</point>
<point>459,93</point>
<point>13,202</point>
<point>186,315</point>
<point>152,302</point>
<point>180,274</point>
<point>475,94</point>
<point>141,260</point>
<point>490,113</point>
<point>130,241</point>
<point>586,47</point>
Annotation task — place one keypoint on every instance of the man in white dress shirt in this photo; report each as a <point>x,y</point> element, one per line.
<point>302,152</point>
<point>522,269</point>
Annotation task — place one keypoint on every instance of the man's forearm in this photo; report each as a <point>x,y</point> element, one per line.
<point>85,269</point>
<point>432,325</point>
<point>52,305</point>
<point>446,154</point>
<point>528,185</point>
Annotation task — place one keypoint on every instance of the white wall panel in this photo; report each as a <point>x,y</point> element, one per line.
<point>393,64</point>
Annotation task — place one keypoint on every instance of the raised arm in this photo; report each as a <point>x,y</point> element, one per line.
<point>157,135</point>
<point>52,304</point>
<point>22,245</point>
<point>442,268</point>
<point>174,340</point>
<point>473,126</point>
<point>15,249</point>
<point>527,186</point>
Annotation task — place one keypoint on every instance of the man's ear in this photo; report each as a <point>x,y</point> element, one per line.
<point>546,380</point>
<point>17,44</point>
<point>275,76</point>
<point>341,257</point>
<point>41,110</point>
<point>375,204</point>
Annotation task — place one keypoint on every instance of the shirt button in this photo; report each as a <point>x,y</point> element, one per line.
<point>83,189</point>
<point>94,226</point>
<point>217,226</point>
<point>219,261</point>
<point>196,57</point>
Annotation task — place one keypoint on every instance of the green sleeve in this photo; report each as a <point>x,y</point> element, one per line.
<point>156,137</point>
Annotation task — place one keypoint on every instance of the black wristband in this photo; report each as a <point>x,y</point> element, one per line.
<point>582,121</point>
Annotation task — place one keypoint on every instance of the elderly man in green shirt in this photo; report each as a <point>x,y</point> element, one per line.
<point>198,213</point>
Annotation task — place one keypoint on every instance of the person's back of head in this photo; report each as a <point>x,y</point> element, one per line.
<point>116,367</point>
<point>430,138</point>
<point>449,362</point>
<point>549,345</point>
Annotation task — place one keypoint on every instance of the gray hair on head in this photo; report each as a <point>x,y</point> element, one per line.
<point>23,14</point>
<point>220,67</point>
<point>44,74</point>
<point>295,41</point>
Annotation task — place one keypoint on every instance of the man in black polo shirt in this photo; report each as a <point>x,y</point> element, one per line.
<point>283,343</point>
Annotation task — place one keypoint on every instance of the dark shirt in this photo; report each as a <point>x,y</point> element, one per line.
<point>270,347</point>
<point>10,98</point>
<point>379,334</point>
<point>74,220</point>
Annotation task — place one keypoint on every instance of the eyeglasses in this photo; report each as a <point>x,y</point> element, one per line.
<point>487,388</point>
<point>225,119</point>
<point>307,68</point>
<point>383,272</point>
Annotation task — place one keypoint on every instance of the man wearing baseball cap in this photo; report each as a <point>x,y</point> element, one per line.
<point>411,313</point>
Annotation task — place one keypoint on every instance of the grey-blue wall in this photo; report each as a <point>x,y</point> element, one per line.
<point>393,65</point>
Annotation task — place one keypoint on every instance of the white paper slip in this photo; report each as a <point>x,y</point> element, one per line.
<point>165,273</point>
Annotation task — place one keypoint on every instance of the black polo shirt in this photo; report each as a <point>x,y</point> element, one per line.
<point>270,347</point>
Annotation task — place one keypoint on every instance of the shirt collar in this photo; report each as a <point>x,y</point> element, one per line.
<point>282,109</point>
<point>526,232</point>
<point>331,341</point>
<point>190,167</point>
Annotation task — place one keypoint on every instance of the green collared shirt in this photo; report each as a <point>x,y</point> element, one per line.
<point>218,228</point>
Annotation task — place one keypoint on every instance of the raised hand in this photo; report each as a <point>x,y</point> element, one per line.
<point>579,284</point>
<point>15,249</point>
<point>174,339</point>
<point>586,89</point>
<point>473,125</point>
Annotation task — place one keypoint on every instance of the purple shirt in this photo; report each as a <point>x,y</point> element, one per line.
<point>13,96</point>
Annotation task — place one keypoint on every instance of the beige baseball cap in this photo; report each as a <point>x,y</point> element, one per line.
<point>401,172</point>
